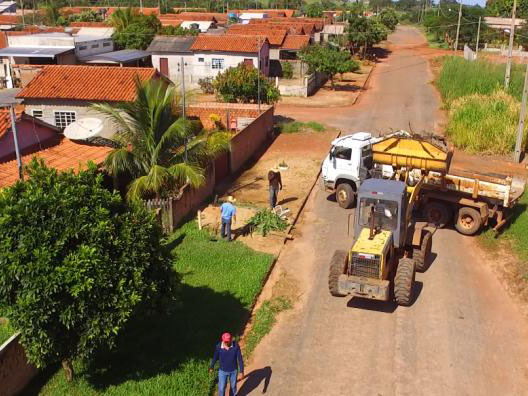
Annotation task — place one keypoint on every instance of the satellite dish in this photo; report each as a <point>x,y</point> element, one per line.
<point>83,129</point>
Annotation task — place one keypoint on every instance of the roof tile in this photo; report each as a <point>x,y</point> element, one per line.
<point>274,36</point>
<point>229,43</point>
<point>295,42</point>
<point>93,83</point>
<point>67,154</point>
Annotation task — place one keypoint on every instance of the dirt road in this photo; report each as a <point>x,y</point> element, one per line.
<point>462,336</point>
<point>399,93</point>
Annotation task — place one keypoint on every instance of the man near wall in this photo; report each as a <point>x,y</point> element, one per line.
<point>227,214</point>
<point>275,185</point>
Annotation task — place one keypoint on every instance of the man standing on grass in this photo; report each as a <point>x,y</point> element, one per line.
<point>230,356</point>
<point>275,185</point>
<point>227,213</point>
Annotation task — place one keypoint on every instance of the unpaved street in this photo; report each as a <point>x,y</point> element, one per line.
<point>462,336</point>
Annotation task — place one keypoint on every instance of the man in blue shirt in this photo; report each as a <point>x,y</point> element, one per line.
<point>228,352</point>
<point>228,213</point>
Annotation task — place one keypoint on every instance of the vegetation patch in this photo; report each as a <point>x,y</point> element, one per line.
<point>6,330</point>
<point>263,322</point>
<point>265,221</point>
<point>460,77</point>
<point>298,126</point>
<point>168,353</point>
<point>484,123</point>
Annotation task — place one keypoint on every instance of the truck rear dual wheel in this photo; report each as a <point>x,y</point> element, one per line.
<point>468,220</point>
<point>437,214</point>
<point>422,255</point>
<point>345,195</point>
<point>404,282</point>
<point>337,268</point>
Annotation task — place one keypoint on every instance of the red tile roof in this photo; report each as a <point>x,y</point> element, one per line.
<point>3,40</point>
<point>228,43</point>
<point>109,10</point>
<point>5,118</point>
<point>295,42</point>
<point>89,24</point>
<point>67,154</point>
<point>92,83</point>
<point>190,16</point>
<point>9,19</point>
<point>275,37</point>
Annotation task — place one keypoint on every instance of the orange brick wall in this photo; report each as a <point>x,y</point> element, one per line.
<point>224,111</point>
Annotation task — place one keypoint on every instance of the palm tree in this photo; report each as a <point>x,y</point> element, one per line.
<point>122,17</point>
<point>156,147</point>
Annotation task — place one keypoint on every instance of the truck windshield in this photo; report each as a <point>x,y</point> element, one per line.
<point>385,213</point>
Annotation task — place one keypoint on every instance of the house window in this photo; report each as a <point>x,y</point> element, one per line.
<point>95,45</point>
<point>217,63</point>
<point>106,44</point>
<point>64,118</point>
<point>37,113</point>
<point>82,47</point>
<point>200,59</point>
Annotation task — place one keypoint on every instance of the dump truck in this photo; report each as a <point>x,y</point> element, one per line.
<point>468,199</point>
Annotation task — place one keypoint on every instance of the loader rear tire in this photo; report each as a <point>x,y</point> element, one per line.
<point>337,268</point>
<point>404,282</point>
<point>422,256</point>
<point>345,196</point>
<point>468,220</point>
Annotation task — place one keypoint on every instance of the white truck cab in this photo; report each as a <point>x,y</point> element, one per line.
<point>346,165</point>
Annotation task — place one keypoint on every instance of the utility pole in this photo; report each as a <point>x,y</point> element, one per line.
<point>520,132</point>
<point>458,25</point>
<point>23,17</point>
<point>141,6</point>
<point>510,48</point>
<point>183,108</point>
<point>15,138</point>
<point>478,37</point>
<point>438,10</point>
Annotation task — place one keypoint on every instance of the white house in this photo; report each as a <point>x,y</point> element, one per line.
<point>202,26</point>
<point>207,55</point>
<point>246,17</point>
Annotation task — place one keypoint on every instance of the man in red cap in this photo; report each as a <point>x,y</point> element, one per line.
<point>230,356</point>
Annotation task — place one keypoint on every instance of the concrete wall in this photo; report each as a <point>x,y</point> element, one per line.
<point>191,82</point>
<point>15,371</point>
<point>81,108</point>
<point>307,87</point>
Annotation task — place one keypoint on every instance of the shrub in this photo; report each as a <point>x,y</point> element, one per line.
<point>241,84</point>
<point>287,70</point>
<point>484,123</point>
<point>265,221</point>
<point>206,85</point>
<point>75,263</point>
<point>389,18</point>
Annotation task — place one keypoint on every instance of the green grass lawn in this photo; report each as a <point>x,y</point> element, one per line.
<point>168,354</point>
<point>433,42</point>
<point>298,126</point>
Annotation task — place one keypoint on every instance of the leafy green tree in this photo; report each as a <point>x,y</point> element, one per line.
<point>241,84</point>
<point>122,17</point>
<point>314,10</point>
<point>366,32</point>
<point>132,29</point>
<point>328,60</point>
<point>76,262</point>
<point>178,31</point>
<point>52,14</point>
<point>503,8</point>
<point>389,18</point>
<point>152,137</point>
<point>85,16</point>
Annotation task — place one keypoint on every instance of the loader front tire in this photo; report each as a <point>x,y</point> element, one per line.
<point>404,282</point>
<point>422,255</point>
<point>337,268</point>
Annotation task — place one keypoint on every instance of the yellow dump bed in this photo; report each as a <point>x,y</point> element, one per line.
<point>413,152</point>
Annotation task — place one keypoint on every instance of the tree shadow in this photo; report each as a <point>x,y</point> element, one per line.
<point>377,53</point>
<point>254,379</point>
<point>181,331</point>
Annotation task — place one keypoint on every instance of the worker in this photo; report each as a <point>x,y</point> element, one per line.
<point>275,185</point>
<point>228,215</point>
<point>230,356</point>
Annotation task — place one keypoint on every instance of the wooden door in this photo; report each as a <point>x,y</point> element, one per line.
<point>164,66</point>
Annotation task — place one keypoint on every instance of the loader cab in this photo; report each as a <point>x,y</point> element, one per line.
<point>382,206</point>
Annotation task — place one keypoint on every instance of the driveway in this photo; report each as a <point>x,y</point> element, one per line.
<point>462,336</point>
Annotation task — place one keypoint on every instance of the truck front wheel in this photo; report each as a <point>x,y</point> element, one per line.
<point>437,214</point>
<point>468,220</point>
<point>345,195</point>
